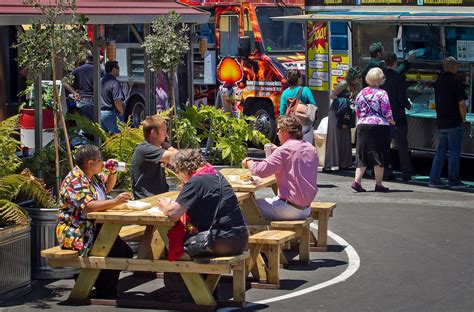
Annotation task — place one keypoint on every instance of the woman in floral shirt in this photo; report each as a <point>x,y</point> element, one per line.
<point>84,190</point>
<point>374,116</point>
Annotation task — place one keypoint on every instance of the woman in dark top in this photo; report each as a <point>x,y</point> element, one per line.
<point>199,198</point>
<point>340,117</point>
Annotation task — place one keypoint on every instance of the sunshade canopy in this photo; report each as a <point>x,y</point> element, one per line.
<point>387,15</point>
<point>14,12</point>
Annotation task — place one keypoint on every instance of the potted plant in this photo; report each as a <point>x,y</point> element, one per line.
<point>27,115</point>
<point>15,249</point>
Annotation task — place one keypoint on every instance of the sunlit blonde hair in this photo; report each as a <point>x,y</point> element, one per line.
<point>152,122</point>
<point>375,77</point>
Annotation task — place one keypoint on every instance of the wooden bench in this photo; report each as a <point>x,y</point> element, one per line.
<point>269,243</point>
<point>321,211</point>
<point>132,233</point>
<point>214,267</point>
<point>302,233</point>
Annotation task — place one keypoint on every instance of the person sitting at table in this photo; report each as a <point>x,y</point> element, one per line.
<point>200,197</point>
<point>149,159</point>
<point>295,166</point>
<point>82,191</point>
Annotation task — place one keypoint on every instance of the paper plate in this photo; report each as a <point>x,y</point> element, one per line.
<point>137,205</point>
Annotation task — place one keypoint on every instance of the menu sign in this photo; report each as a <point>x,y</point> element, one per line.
<point>318,56</point>
<point>309,3</point>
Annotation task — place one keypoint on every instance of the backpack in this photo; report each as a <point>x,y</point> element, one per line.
<point>303,111</point>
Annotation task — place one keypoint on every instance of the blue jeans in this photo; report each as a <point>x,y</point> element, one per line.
<point>108,121</point>
<point>450,140</point>
<point>86,105</point>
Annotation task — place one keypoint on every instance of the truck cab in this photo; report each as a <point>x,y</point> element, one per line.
<point>265,50</point>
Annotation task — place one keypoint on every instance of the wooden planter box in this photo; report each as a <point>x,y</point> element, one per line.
<point>15,262</point>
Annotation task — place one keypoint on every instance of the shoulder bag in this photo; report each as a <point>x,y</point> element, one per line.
<point>203,242</point>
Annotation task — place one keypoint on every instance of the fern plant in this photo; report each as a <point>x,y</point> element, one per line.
<point>15,187</point>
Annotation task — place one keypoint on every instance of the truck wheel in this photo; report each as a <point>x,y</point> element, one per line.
<point>264,121</point>
<point>136,112</point>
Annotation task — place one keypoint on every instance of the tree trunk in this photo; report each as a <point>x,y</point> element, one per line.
<point>3,109</point>
<point>174,114</point>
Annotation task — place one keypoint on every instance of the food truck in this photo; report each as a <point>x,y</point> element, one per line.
<point>242,45</point>
<point>341,31</point>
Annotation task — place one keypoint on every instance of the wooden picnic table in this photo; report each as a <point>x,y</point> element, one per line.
<point>152,245</point>
<point>249,207</point>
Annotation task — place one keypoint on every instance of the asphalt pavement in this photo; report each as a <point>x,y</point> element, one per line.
<point>407,250</point>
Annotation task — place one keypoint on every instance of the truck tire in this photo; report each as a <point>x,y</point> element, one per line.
<point>264,120</point>
<point>135,111</point>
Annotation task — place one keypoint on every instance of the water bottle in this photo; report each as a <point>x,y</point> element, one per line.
<point>115,165</point>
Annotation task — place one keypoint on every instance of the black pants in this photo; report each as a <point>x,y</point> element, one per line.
<point>106,284</point>
<point>401,132</point>
<point>222,247</point>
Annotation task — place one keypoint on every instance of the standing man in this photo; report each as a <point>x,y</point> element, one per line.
<point>450,97</point>
<point>111,97</point>
<point>149,158</point>
<point>295,166</point>
<point>83,86</point>
<point>395,85</point>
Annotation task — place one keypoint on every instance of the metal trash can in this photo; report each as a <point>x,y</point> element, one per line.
<point>15,262</point>
<point>43,236</point>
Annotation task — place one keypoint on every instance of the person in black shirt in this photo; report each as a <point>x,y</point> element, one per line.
<point>396,88</point>
<point>450,97</point>
<point>204,191</point>
<point>83,86</point>
<point>149,158</point>
<point>111,98</point>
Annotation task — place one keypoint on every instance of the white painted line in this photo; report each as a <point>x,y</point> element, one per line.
<point>352,267</point>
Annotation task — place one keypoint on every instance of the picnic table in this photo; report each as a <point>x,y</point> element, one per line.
<point>150,256</point>
<point>249,207</point>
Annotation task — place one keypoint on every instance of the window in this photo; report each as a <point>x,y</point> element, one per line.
<point>279,36</point>
<point>229,35</point>
<point>248,30</point>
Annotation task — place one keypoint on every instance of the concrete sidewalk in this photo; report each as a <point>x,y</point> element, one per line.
<point>407,250</point>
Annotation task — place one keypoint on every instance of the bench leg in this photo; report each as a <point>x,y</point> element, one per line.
<point>238,283</point>
<point>212,280</point>
<point>273,256</point>
<point>102,246</point>
<point>259,270</point>
<point>304,244</point>
<point>198,289</point>
<point>323,229</point>
<point>283,259</point>
<point>252,259</point>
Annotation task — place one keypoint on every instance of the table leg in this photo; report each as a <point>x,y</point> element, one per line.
<point>251,212</point>
<point>304,244</point>
<point>212,280</point>
<point>198,289</point>
<point>144,252</point>
<point>102,246</point>
<point>275,188</point>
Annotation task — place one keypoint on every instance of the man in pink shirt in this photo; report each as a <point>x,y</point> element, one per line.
<point>295,165</point>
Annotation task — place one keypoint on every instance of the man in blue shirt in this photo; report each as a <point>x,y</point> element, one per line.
<point>111,98</point>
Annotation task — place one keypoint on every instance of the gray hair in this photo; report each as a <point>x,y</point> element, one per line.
<point>187,160</point>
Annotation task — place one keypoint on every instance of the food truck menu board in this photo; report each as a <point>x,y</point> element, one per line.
<point>465,50</point>
<point>391,2</point>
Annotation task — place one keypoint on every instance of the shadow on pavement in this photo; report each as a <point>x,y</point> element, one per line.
<point>314,265</point>
<point>336,248</point>
<point>40,297</point>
